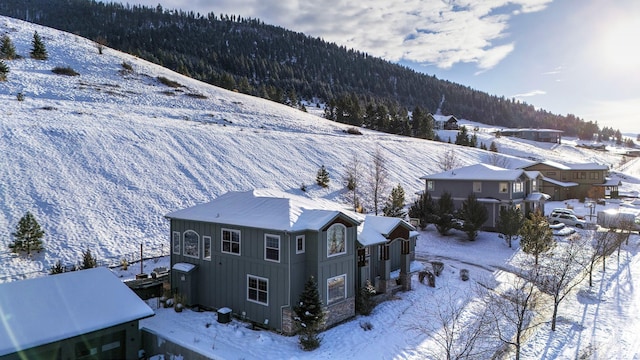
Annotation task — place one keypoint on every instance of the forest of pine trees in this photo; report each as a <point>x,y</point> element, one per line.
<point>251,57</point>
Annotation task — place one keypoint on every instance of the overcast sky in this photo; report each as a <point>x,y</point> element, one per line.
<point>566,56</point>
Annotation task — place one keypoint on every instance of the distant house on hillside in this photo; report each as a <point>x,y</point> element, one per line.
<point>442,122</point>
<point>87,314</point>
<point>493,186</point>
<point>542,135</point>
<point>574,181</point>
<point>253,251</point>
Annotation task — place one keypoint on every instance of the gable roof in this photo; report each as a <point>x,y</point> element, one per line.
<point>477,172</point>
<point>376,229</point>
<point>267,209</point>
<point>43,310</point>
<point>559,166</point>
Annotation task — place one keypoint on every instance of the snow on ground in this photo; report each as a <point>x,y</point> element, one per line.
<point>101,158</point>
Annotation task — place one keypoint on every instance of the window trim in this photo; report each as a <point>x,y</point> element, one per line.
<point>206,239</point>
<point>266,247</point>
<point>344,229</point>
<point>430,185</point>
<point>477,186</point>
<point>184,244</point>
<point>258,291</point>
<point>175,240</point>
<point>344,295</point>
<point>298,250</point>
<point>222,241</point>
<point>506,187</point>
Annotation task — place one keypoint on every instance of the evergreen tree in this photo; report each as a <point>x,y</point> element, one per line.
<point>444,213</point>
<point>322,177</point>
<point>38,50</point>
<point>7,50</point>
<point>423,208</point>
<point>57,268</point>
<point>509,223</point>
<point>462,137</point>
<point>364,301</point>
<point>395,204</point>
<point>88,260</point>
<point>310,315</point>
<point>493,147</point>
<point>28,235</point>
<point>4,70</point>
<point>535,235</point>
<point>474,215</point>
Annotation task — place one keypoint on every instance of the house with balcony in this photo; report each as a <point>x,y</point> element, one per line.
<point>574,181</point>
<point>253,251</point>
<point>493,186</point>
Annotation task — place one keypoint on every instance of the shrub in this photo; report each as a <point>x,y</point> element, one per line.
<point>169,83</point>
<point>197,96</point>
<point>364,301</point>
<point>353,131</point>
<point>126,68</point>
<point>20,96</point>
<point>64,71</point>
<point>438,266</point>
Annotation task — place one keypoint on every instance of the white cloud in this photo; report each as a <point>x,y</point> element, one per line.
<point>530,94</point>
<point>428,32</point>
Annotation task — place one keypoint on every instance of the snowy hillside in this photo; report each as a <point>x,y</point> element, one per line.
<point>100,158</point>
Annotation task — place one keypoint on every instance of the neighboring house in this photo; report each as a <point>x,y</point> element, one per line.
<point>574,181</point>
<point>386,246</point>
<point>253,251</point>
<point>493,186</point>
<point>542,135</point>
<point>87,314</point>
<point>442,122</point>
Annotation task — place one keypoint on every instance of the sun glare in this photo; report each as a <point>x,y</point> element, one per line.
<point>620,47</point>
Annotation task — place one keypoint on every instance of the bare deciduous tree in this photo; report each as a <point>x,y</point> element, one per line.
<point>514,307</point>
<point>563,270</point>
<point>498,160</point>
<point>353,177</point>
<point>448,160</point>
<point>378,180</point>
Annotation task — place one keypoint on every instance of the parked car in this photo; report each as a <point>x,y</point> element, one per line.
<point>567,219</point>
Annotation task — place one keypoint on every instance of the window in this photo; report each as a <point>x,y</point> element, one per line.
<point>550,173</point>
<point>534,185</point>
<point>594,176</point>
<point>300,244</point>
<point>503,187</point>
<point>176,242</point>
<point>477,186</point>
<point>231,241</point>
<point>336,288</point>
<point>430,185</point>
<point>258,290</point>
<point>336,240</point>
<point>191,244</point>
<point>206,247</point>
<point>272,247</point>
<point>518,187</point>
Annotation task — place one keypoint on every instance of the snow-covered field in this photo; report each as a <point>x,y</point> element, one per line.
<point>100,158</point>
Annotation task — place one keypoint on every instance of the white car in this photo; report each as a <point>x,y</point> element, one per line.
<point>563,211</point>
<point>567,219</point>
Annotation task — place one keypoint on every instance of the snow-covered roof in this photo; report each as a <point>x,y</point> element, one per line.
<point>375,229</point>
<point>610,182</point>
<point>267,209</point>
<point>560,183</point>
<point>583,166</point>
<point>184,267</point>
<point>537,196</point>
<point>43,310</point>
<point>477,172</point>
<point>533,130</point>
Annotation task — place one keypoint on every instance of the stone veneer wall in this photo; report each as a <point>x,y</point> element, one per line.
<point>340,311</point>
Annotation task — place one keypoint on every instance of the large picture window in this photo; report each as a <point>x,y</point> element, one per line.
<point>176,242</point>
<point>206,247</point>
<point>336,240</point>
<point>336,288</point>
<point>272,247</point>
<point>191,244</point>
<point>258,289</point>
<point>518,187</point>
<point>231,241</point>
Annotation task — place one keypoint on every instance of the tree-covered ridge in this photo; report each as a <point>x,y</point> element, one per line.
<point>271,62</point>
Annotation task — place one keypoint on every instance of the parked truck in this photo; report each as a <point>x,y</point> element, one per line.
<point>618,219</point>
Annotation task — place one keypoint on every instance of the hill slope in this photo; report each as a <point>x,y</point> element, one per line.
<point>101,157</point>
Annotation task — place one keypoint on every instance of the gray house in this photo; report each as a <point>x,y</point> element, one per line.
<point>253,251</point>
<point>540,135</point>
<point>88,314</point>
<point>493,186</point>
<point>385,252</point>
